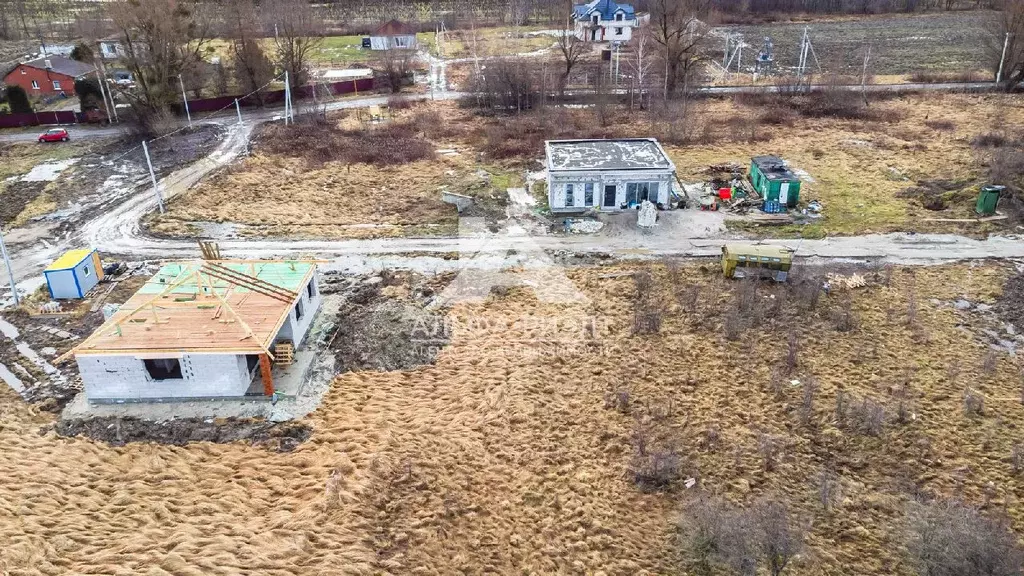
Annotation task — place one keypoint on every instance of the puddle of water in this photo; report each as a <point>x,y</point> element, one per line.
<point>36,359</point>
<point>9,330</point>
<point>47,171</point>
<point>13,381</point>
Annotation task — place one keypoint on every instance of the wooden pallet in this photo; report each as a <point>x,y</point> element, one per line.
<point>284,354</point>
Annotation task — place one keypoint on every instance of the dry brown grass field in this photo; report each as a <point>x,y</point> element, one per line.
<point>511,453</point>
<point>286,192</point>
<point>875,172</point>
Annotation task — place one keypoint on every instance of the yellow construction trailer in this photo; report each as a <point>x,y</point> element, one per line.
<point>740,260</point>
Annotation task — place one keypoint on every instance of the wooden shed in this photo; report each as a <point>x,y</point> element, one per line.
<point>774,181</point>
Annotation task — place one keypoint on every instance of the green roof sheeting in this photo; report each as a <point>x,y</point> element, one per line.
<point>283,274</point>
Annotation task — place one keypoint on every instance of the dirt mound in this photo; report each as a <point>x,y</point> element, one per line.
<point>1010,305</point>
<point>120,431</point>
<point>386,325</point>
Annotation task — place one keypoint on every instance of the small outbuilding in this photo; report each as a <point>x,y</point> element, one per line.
<point>73,274</point>
<point>607,174</point>
<point>394,34</point>
<point>774,181</point>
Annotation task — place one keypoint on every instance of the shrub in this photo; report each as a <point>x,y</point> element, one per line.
<point>863,417</point>
<point>618,400</point>
<point>828,489</point>
<point>389,144</point>
<point>712,531</point>
<point>941,125</point>
<point>974,403</point>
<point>17,100</point>
<point>949,538</point>
<point>768,449</point>
<point>844,319</point>
<point>778,538</point>
<point>810,391</point>
<point>990,140</point>
<point>655,469</point>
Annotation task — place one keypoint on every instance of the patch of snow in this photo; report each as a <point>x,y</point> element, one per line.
<point>521,196</point>
<point>13,381</point>
<point>9,330</point>
<point>47,171</point>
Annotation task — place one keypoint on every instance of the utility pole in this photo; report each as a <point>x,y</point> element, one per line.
<point>103,80</point>
<point>287,98</point>
<point>185,100</point>
<point>103,92</point>
<point>10,271</point>
<point>1002,59</point>
<point>152,176</point>
<point>864,75</point>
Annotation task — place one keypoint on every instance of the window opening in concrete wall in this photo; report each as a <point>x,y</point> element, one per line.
<point>163,368</point>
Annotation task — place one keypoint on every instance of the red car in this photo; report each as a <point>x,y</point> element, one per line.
<point>54,135</point>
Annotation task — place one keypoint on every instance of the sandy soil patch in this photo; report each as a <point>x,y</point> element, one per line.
<point>506,455</point>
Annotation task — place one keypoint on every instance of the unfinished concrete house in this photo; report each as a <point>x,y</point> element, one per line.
<point>607,174</point>
<point>202,330</point>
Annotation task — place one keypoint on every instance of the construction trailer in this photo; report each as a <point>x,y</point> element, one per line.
<point>73,274</point>
<point>774,181</point>
<point>607,175</point>
<point>211,329</point>
<point>743,260</point>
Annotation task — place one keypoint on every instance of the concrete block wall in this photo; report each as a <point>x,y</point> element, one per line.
<point>126,378</point>
<point>295,329</point>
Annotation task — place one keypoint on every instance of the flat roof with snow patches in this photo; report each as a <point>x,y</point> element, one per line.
<point>221,306</point>
<point>622,154</point>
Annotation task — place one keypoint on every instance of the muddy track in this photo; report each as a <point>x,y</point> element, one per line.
<point>117,231</point>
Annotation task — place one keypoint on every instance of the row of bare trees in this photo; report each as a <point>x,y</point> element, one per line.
<point>167,42</point>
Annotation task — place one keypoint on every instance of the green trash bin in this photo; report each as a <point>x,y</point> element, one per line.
<point>988,199</point>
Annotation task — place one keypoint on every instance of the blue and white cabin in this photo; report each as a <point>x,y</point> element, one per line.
<point>74,274</point>
<point>607,175</point>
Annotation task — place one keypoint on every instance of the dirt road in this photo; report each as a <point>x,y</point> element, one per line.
<point>116,231</point>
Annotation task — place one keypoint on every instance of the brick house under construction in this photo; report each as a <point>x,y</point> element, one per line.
<point>201,330</point>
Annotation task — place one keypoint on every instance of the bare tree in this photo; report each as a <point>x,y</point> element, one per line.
<point>298,34</point>
<point>252,68</point>
<point>776,533</point>
<point>572,49</point>
<point>640,64</point>
<point>1008,32</point>
<point>954,539</point>
<point>681,30</point>
<point>395,64</point>
<point>161,39</point>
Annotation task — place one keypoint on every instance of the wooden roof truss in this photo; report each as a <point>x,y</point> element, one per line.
<point>214,272</point>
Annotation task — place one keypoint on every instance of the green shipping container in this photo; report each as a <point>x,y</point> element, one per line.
<point>988,199</point>
<point>774,181</point>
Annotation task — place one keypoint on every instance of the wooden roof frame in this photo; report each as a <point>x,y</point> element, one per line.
<point>215,271</point>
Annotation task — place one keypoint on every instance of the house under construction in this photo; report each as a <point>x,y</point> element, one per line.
<point>202,330</point>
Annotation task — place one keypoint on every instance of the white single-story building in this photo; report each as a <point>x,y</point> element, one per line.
<point>607,174</point>
<point>112,49</point>
<point>604,21</point>
<point>394,34</point>
<point>201,330</point>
